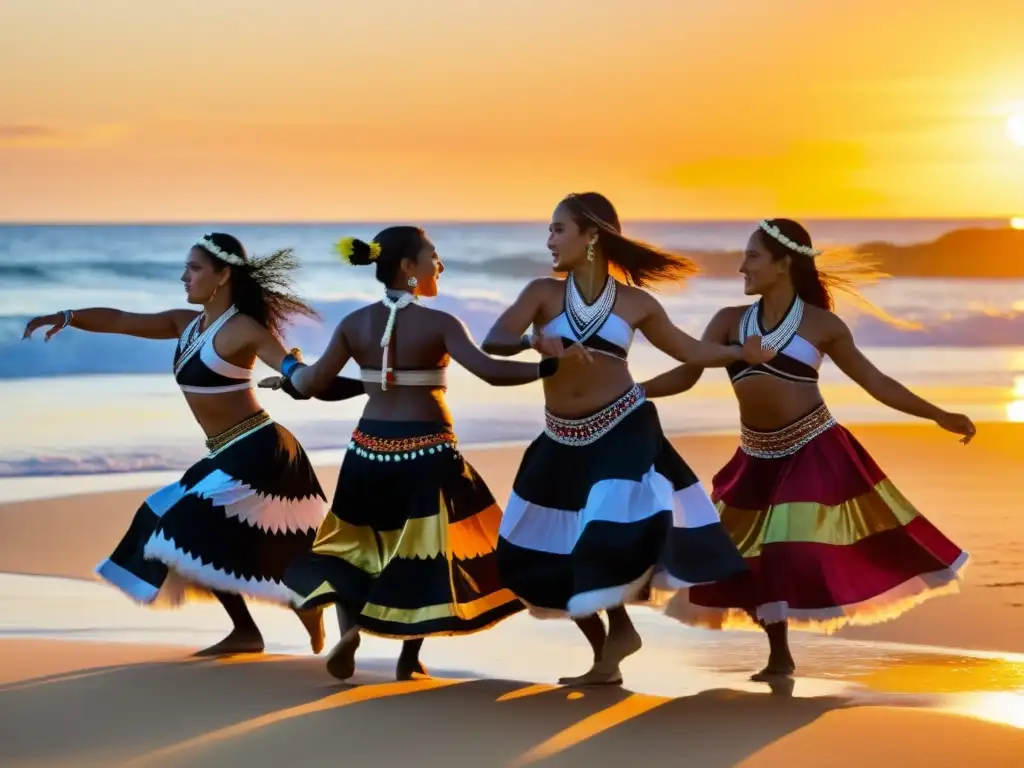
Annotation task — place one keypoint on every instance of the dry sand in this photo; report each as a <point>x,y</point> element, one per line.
<point>103,703</point>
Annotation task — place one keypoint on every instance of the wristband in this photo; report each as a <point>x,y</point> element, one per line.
<point>289,365</point>
<point>547,367</point>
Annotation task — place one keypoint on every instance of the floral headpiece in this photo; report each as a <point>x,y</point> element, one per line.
<point>217,252</point>
<point>792,245</point>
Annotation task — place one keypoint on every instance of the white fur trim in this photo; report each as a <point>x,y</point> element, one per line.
<point>269,513</point>
<point>186,569</point>
<point>588,603</point>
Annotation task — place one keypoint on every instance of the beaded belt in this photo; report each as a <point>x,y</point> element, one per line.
<point>220,441</point>
<point>577,432</point>
<point>788,440</point>
<point>401,448</point>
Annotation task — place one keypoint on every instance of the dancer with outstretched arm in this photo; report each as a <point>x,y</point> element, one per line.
<point>829,539</point>
<point>603,509</point>
<point>239,515</point>
<point>408,548</point>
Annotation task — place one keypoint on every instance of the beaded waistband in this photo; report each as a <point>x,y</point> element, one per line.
<point>400,448</point>
<point>788,440</point>
<point>577,432</point>
<point>222,440</point>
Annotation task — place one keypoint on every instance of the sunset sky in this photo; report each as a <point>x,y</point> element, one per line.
<point>320,110</point>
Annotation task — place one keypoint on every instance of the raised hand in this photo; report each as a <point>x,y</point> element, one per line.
<point>753,353</point>
<point>58,322</point>
<point>958,424</point>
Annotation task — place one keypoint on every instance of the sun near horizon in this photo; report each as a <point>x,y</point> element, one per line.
<point>310,112</point>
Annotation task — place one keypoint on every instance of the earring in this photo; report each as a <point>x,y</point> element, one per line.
<point>413,282</point>
<point>590,251</point>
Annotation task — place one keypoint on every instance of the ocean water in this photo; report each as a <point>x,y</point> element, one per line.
<point>86,403</point>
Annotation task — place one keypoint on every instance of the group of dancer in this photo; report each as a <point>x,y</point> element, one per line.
<point>801,529</point>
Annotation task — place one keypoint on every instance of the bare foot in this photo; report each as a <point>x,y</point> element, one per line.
<point>341,662</point>
<point>407,669</point>
<point>313,621</point>
<point>599,674</point>
<point>619,646</point>
<point>775,669</point>
<point>238,641</point>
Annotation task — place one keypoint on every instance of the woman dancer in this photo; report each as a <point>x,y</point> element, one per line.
<point>602,502</point>
<point>253,504</point>
<point>407,550</point>
<point>828,538</point>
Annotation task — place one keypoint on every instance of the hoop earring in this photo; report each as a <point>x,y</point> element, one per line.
<point>590,251</point>
<point>413,282</point>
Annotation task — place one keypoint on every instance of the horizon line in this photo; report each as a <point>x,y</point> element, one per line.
<point>461,222</point>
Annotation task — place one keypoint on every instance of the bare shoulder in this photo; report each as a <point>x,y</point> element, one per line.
<point>637,297</point>
<point>830,323</point>
<point>730,315</point>
<point>544,287</point>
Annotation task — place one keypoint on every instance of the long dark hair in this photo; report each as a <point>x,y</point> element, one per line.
<point>395,244</point>
<point>262,287</point>
<point>807,280</point>
<point>641,264</point>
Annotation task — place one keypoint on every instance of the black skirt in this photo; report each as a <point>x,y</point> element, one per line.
<point>410,540</point>
<point>597,521</point>
<point>233,523</point>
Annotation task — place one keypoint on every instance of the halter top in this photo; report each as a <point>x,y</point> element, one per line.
<point>198,368</point>
<point>797,360</point>
<point>595,326</point>
<point>386,375</point>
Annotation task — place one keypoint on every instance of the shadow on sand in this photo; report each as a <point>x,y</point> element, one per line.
<point>281,710</point>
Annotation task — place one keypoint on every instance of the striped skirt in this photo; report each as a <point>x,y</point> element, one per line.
<point>409,541</point>
<point>829,539</point>
<point>231,524</point>
<point>603,510</point>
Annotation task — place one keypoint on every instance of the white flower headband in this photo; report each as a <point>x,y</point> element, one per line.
<point>208,245</point>
<point>792,245</point>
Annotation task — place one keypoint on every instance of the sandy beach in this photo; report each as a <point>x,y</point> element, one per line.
<point>87,678</point>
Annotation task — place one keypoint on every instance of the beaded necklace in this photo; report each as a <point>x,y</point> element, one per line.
<point>585,319</point>
<point>781,334</point>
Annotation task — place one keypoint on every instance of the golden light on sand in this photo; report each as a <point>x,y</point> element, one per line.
<point>1015,128</point>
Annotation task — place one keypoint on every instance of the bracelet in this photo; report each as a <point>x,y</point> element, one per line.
<point>290,364</point>
<point>548,366</point>
<point>68,317</point>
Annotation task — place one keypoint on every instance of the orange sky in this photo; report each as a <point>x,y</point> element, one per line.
<point>448,109</point>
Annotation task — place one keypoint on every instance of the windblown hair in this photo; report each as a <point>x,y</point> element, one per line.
<point>262,288</point>
<point>639,263</point>
<point>816,280</point>
<point>391,246</point>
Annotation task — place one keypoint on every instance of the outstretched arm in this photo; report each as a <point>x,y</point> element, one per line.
<point>661,332</point>
<point>500,373</point>
<point>684,377</point>
<point>159,325</point>
<point>271,351</point>
<point>507,336</point>
<point>886,390</point>
<point>315,379</point>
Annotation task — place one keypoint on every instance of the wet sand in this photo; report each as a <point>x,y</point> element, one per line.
<point>87,678</point>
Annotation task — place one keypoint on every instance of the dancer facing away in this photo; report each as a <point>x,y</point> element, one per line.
<point>407,550</point>
<point>602,503</point>
<point>238,516</point>
<point>828,538</point>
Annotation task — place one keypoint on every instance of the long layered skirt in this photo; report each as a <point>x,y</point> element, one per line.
<point>602,510</point>
<point>409,541</point>
<point>231,524</point>
<point>828,537</point>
